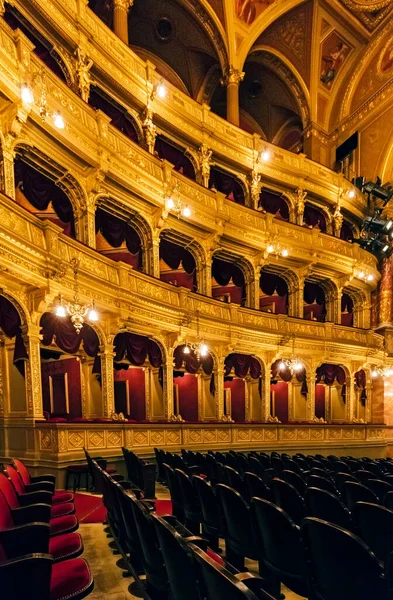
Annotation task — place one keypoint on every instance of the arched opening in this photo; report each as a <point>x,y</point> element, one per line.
<point>314,218</point>
<point>347,310</point>
<point>120,117</point>
<point>314,302</point>
<point>227,184</point>
<point>38,194</point>
<point>360,383</point>
<point>193,385</point>
<point>177,265</point>
<point>168,150</point>
<point>243,388</point>
<point>347,231</point>
<point>138,378</point>
<point>42,47</point>
<point>273,295</point>
<point>228,283</point>
<point>286,385</point>
<point>13,355</point>
<point>117,239</point>
<point>331,393</point>
<point>274,203</point>
<point>70,370</point>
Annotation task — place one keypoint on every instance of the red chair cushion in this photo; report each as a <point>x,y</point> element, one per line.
<point>70,579</point>
<point>23,472</point>
<point>65,546</point>
<point>6,520</point>
<point>59,510</point>
<point>59,497</point>
<point>111,470</point>
<point>9,491</point>
<point>16,479</point>
<point>64,524</point>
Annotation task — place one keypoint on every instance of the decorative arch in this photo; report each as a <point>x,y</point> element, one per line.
<point>196,250</point>
<point>164,69</point>
<point>247,269</point>
<point>22,309</point>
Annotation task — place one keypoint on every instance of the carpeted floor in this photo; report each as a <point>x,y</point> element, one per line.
<point>90,509</point>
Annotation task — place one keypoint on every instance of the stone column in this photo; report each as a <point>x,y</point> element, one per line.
<point>120,18</point>
<point>107,380</point>
<point>310,396</point>
<point>32,338</point>
<point>231,81</point>
<point>386,293</point>
<point>87,227</point>
<point>252,288</point>
<point>7,177</point>
<point>168,386</point>
<point>295,298</point>
<point>204,276</point>
<point>219,383</point>
<point>154,251</point>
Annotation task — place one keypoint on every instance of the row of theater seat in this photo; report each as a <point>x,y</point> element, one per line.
<point>164,557</point>
<point>316,524</point>
<point>39,546</point>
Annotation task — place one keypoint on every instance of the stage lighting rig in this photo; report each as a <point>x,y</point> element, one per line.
<point>376,190</point>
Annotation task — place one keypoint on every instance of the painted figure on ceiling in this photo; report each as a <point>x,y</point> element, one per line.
<point>332,62</point>
<point>248,10</point>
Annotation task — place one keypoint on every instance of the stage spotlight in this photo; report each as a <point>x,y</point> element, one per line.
<point>377,225</point>
<point>378,191</point>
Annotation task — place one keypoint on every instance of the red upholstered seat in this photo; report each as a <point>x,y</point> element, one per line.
<point>58,497</point>
<point>59,510</point>
<point>111,470</point>
<point>71,579</point>
<point>65,524</point>
<point>68,545</point>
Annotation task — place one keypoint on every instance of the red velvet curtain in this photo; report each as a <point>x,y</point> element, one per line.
<point>190,361</point>
<point>40,191</point>
<point>328,374</point>
<point>10,325</point>
<point>271,284</point>
<point>286,375</point>
<point>274,203</point>
<point>135,348</point>
<point>116,231</point>
<point>227,184</point>
<point>313,217</point>
<point>361,383</point>
<point>174,256</point>
<point>243,364</point>
<point>167,151</point>
<point>120,118</point>
<point>346,232</point>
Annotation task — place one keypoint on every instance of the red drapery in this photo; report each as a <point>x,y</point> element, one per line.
<point>190,361</point>
<point>314,217</point>
<point>361,383</point>
<point>226,184</point>
<point>136,348</point>
<point>328,374</point>
<point>274,203</point>
<point>286,375</point>
<point>243,365</point>
<point>120,118</point>
<point>116,231</point>
<point>167,151</point>
<point>174,256</point>
<point>10,325</point>
<point>346,232</point>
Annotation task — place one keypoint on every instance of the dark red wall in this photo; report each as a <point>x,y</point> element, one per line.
<point>236,293</point>
<point>57,369</point>
<point>279,301</point>
<point>238,398</point>
<point>136,385</point>
<point>188,396</point>
<point>320,401</point>
<point>280,390</point>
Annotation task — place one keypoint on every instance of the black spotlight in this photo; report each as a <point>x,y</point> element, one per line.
<point>378,225</point>
<point>378,191</point>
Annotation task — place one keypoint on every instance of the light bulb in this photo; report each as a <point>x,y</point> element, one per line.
<point>370,277</point>
<point>204,350</point>
<point>186,350</point>
<point>285,252</point>
<point>270,249</point>
<point>93,315</point>
<point>388,224</point>
<point>186,211</point>
<point>170,203</point>
<point>265,155</point>
<point>297,365</point>
<point>58,121</point>
<point>26,94</point>
<point>351,193</point>
<point>281,365</point>
<point>161,90</point>
<point>374,373</point>
<point>361,275</point>
<point>60,311</point>
<point>389,372</point>
<point>385,248</point>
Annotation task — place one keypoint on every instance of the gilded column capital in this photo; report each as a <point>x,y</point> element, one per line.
<point>123,4</point>
<point>232,77</point>
<point>2,8</point>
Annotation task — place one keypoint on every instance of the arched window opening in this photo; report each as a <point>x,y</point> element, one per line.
<point>243,379</point>
<point>228,283</point>
<point>66,358</point>
<point>194,386</point>
<point>167,150</point>
<point>177,265</point>
<point>346,310</point>
<point>360,383</point>
<point>273,297</point>
<point>281,379</point>
<point>118,114</point>
<point>346,232</point>
<point>330,393</point>
<point>138,376</point>
<point>227,184</point>
<point>314,307</point>
<point>117,239</point>
<point>42,197</point>
<point>314,218</point>
<point>42,48</point>
<point>274,203</point>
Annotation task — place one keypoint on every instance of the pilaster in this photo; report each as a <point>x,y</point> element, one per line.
<point>7,172</point>
<point>107,379</point>
<point>32,338</point>
<point>168,386</point>
<point>120,18</point>
<point>219,384</point>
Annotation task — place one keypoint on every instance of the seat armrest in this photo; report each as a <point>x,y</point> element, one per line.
<point>31,513</point>
<point>41,486</point>
<point>35,498</point>
<point>25,539</point>
<point>255,584</point>
<point>118,478</point>
<point>26,576</point>
<point>197,541</point>
<point>47,477</point>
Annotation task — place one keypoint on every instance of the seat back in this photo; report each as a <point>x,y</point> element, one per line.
<point>9,492</point>
<point>341,478</point>
<point>255,487</point>
<point>6,520</point>
<point>209,503</point>
<point>322,483</point>
<point>363,475</point>
<point>294,479</point>
<point>375,525</point>
<point>178,559</point>
<point>221,583</point>
<point>324,505</point>
<point>15,479</point>
<point>192,509</point>
<point>255,466</point>
<point>356,492</point>
<point>233,479</point>
<point>340,565</point>
<point>175,492</point>
<point>23,472</point>
<point>379,487</point>
<point>239,529</point>
<point>287,498</point>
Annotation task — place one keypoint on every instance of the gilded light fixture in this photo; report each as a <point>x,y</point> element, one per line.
<point>27,96</point>
<point>76,309</point>
<point>173,203</point>
<point>200,348</point>
<point>294,364</point>
<point>275,247</point>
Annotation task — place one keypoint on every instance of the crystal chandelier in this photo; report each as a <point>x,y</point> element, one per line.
<point>294,364</point>
<point>76,309</point>
<point>200,348</point>
<point>173,203</point>
<point>27,96</point>
<point>274,247</point>
<point>382,371</point>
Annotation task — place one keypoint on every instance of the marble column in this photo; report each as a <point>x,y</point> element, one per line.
<point>386,293</point>
<point>120,18</point>
<point>232,81</point>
